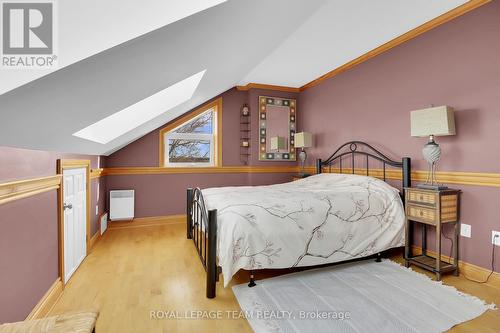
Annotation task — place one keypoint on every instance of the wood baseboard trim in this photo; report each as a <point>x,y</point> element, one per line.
<point>470,270</point>
<point>147,222</point>
<point>28,187</point>
<point>45,305</point>
<point>94,240</point>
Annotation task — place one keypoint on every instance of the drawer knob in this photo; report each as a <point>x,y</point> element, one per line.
<point>421,213</point>
<point>421,197</point>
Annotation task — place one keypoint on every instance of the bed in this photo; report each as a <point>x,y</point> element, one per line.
<point>323,219</point>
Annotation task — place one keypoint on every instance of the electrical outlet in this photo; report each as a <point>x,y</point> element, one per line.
<point>465,230</point>
<point>495,240</point>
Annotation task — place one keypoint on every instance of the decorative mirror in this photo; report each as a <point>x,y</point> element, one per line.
<point>277,124</point>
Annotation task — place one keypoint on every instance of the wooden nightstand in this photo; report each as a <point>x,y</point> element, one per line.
<point>299,176</point>
<point>432,208</point>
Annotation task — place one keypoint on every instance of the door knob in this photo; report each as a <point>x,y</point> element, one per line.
<point>67,206</point>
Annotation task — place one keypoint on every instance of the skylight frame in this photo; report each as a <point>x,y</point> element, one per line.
<point>135,115</point>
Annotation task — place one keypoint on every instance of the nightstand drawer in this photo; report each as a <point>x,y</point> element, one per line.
<point>425,215</point>
<point>421,197</point>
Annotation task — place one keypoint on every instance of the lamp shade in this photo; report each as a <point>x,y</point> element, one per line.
<point>303,140</point>
<point>436,121</point>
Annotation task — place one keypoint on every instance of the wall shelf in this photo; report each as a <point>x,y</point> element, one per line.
<point>245,134</point>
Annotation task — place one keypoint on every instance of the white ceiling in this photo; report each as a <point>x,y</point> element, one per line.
<point>87,27</point>
<point>106,69</point>
<point>339,32</point>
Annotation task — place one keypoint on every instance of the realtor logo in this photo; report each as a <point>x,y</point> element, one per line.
<point>28,31</point>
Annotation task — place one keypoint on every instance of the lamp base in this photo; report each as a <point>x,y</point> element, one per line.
<point>436,187</point>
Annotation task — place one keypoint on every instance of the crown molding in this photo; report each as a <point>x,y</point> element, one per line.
<point>446,17</point>
<point>267,87</point>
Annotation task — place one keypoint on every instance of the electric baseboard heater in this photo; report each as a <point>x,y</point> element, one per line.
<point>104,222</point>
<point>121,205</point>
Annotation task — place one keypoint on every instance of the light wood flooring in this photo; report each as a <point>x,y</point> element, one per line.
<point>133,271</point>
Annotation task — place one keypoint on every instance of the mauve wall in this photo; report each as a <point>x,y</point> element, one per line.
<point>159,195</point>
<point>456,64</point>
<point>29,231</point>
<point>165,194</point>
<point>28,253</point>
<point>144,151</point>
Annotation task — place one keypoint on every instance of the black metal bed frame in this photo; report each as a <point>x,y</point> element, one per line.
<point>373,153</point>
<point>202,223</point>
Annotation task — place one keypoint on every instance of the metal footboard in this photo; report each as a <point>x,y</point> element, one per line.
<point>202,229</point>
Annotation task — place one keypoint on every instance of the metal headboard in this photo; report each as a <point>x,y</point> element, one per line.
<point>352,148</point>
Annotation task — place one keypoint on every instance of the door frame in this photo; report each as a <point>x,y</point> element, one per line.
<point>65,164</point>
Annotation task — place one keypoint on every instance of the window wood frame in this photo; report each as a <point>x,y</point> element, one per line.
<point>217,143</point>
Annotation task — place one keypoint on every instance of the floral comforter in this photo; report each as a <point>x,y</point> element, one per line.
<point>321,219</point>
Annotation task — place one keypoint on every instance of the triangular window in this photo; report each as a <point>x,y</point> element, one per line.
<point>192,141</point>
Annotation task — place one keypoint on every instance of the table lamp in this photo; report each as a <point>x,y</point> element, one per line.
<point>432,122</point>
<point>303,140</point>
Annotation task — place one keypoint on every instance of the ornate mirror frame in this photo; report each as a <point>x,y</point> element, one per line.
<point>264,102</point>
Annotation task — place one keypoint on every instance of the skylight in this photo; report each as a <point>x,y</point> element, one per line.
<point>88,27</point>
<point>141,112</point>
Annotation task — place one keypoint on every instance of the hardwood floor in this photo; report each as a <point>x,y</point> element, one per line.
<point>134,271</point>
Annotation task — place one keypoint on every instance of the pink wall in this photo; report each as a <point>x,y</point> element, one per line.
<point>29,237</point>
<point>165,194</point>
<point>457,64</point>
<point>158,195</point>
<point>144,151</point>
<point>24,163</point>
<point>28,253</point>
<point>20,164</point>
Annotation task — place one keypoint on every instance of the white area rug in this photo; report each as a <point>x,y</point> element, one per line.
<point>357,297</point>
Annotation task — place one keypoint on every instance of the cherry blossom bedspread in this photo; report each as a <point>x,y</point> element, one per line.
<point>317,220</point>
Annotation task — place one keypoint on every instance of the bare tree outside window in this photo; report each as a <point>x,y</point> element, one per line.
<point>193,141</point>
<point>189,151</point>
<point>200,124</point>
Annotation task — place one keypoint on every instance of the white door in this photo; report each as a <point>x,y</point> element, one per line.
<point>75,219</point>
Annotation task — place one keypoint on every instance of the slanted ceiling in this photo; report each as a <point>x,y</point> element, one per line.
<point>130,54</point>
